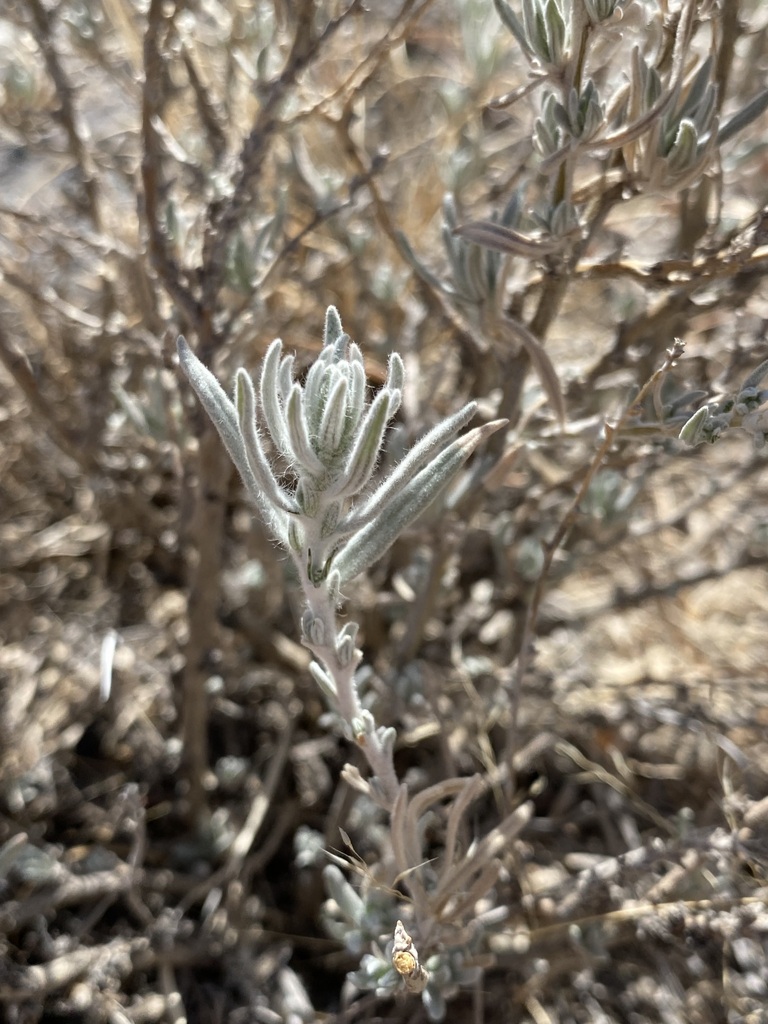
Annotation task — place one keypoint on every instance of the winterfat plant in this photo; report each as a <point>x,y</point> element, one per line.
<point>329,434</point>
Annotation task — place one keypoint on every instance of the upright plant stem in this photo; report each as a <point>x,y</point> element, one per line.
<point>208,531</point>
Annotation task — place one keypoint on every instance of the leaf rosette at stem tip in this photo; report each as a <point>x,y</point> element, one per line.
<point>329,433</point>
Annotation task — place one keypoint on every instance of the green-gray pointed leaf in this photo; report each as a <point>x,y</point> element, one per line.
<point>254,451</point>
<point>333,329</point>
<point>370,543</point>
<point>365,454</point>
<point>440,434</point>
<point>218,406</point>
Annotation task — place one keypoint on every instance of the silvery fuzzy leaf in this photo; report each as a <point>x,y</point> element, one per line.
<point>513,23</point>
<point>285,377</point>
<point>334,424</point>
<point>699,92</point>
<point>395,373</point>
<point>217,404</point>
<point>317,383</point>
<point>331,518</point>
<point>333,329</point>
<point>410,465</point>
<point>555,31</point>
<point>387,739</point>
<point>245,402</point>
<point>756,377</point>
<point>594,116</point>
<point>683,151</point>
<point>347,899</point>
<point>395,400</point>
<point>224,417</point>
<point>600,10</point>
<point>347,653</point>
<point>348,631</point>
<point>369,544</point>
<point>307,498</point>
<point>692,432</point>
<point>535,28</point>
<point>341,350</point>
<point>546,141</point>
<point>270,401</point>
<point>219,408</point>
<point>333,587</point>
<point>356,396</point>
<point>295,536</point>
<point>365,454</point>
<point>313,628</point>
<point>298,434</point>
<point>324,681</point>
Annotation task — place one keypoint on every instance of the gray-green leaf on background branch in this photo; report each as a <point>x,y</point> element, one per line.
<point>748,409</point>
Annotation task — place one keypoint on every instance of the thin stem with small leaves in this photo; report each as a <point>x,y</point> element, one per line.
<point>534,604</point>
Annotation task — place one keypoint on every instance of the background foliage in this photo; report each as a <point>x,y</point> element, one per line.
<point>227,170</point>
